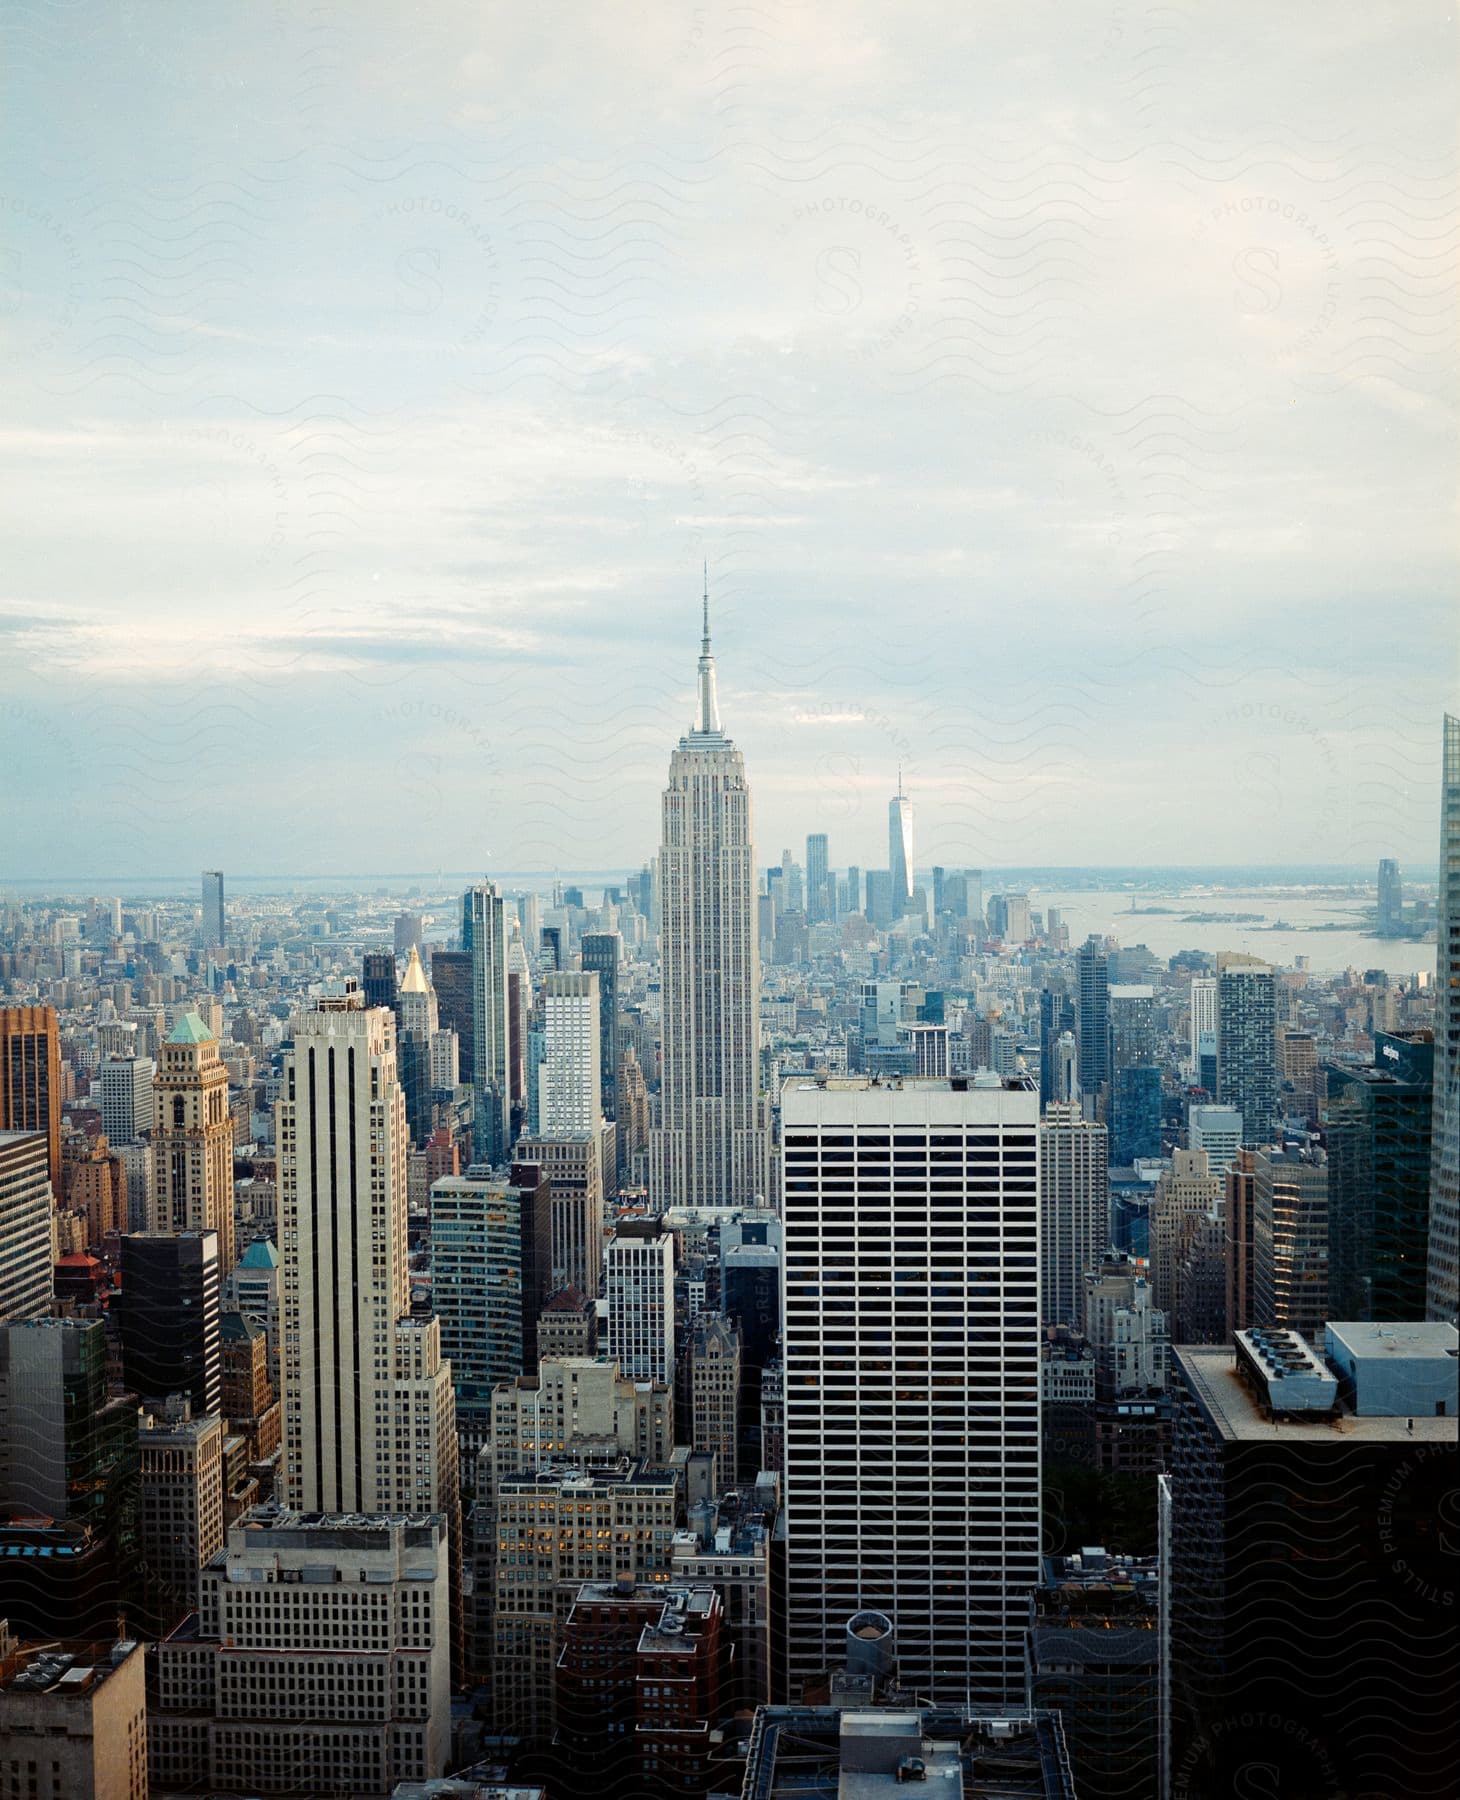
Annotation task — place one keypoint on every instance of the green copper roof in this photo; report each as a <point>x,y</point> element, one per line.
<point>190,1029</point>
<point>260,1254</point>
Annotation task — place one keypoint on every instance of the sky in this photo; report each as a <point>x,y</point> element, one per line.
<point>1062,398</point>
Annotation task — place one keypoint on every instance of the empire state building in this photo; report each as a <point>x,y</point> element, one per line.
<point>712,1145</point>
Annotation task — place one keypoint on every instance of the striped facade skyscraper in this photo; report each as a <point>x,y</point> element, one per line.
<point>712,1146</point>
<point>369,1416</point>
<point>911,1346</point>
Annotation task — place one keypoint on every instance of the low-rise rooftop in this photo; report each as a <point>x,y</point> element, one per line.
<point>1241,1415</point>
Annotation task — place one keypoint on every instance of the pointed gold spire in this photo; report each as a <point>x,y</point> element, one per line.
<point>414,981</point>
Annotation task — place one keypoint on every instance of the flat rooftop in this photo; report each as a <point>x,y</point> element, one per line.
<point>68,1674</point>
<point>1420,1338</point>
<point>833,1753</point>
<point>1238,1413</point>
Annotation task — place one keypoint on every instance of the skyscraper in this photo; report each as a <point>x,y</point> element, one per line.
<point>1391,898</point>
<point>601,955</point>
<point>169,1317</point>
<point>1204,1032</point>
<point>491,1269</point>
<point>569,1081</point>
<point>911,1340</point>
<point>451,978</point>
<point>418,1017</point>
<point>215,924</point>
<point>380,978</point>
<point>639,1277</point>
<point>1135,1074</point>
<point>1247,1044</point>
<point>900,849</point>
<point>1185,1192</point>
<point>25,1226</point>
<point>1290,1241</point>
<point>1311,1643</point>
<point>369,1424</point>
<point>192,1140</point>
<point>1218,1131</point>
<point>1092,1014</point>
<point>484,934</point>
<point>1444,1252</point>
<point>712,1146</point>
<point>30,1078</point>
<point>1379,1155</point>
<point>128,1101</point>
<point>819,898</point>
<point>1074,1188</point>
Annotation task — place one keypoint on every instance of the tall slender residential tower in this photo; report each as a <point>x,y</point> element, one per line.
<point>712,1146</point>
<point>484,936</point>
<point>1247,1044</point>
<point>369,1418</point>
<point>1204,1032</point>
<point>911,1345</point>
<point>900,848</point>
<point>1390,921</point>
<point>1444,1254</point>
<point>192,1138</point>
<point>1074,1194</point>
<point>1092,1013</point>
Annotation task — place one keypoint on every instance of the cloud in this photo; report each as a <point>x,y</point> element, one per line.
<point>1063,402</point>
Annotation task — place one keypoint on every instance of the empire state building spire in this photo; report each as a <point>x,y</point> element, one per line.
<point>707,724</point>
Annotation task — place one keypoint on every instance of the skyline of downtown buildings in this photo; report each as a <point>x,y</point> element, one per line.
<point>921,1214</point>
<point>1060,402</point>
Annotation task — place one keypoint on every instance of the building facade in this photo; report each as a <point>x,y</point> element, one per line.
<point>128,1103</point>
<point>369,1419</point>
<point>928,1191</point>
<point>319,1661</point>
<point>711,1147</point>
<point>602,954</point>
<point>1290,1241</point>
<point>168,1309</point>
<point>1310,1650</point>
<point>192,1140</point>
<point>1444,1245</point>
<point>491,1269</point>
<point>484,936</point>
<point>639,1281</point>
<point>1379,1162</point>
<point>30,1077</point>
<point>1074,1206</point>
<point>1247,1044</point>
<point>73,1720</point>
<point>26,1205</point>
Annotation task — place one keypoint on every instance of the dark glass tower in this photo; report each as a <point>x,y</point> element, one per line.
<point>1312,1639</point>
<point>451,978</point>
<point>601,958</point>
<point>1092,1003</point>
<point>169,1317</point>
<point>1379,1180</point>
<point>379,983</point>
